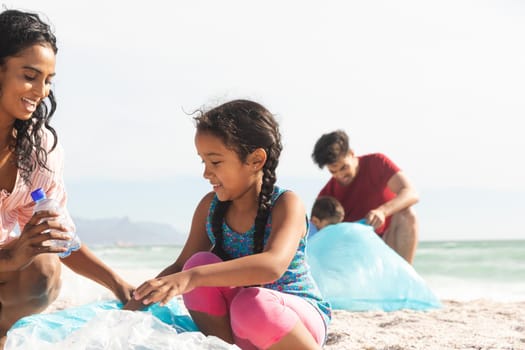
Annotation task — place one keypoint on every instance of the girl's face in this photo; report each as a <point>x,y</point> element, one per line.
<point>231,179</point>
<point>25,80</point>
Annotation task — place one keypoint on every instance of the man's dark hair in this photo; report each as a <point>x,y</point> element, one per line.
<point>330,147</point>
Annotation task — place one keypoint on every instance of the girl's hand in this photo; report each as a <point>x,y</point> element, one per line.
<point>34,239</point>
<point>163,289</point>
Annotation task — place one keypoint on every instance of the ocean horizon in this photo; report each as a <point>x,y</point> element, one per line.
<point>453,270</point>
<point>447,213</point>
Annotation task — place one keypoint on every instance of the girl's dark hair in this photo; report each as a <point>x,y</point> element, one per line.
<point>20,30</point>
<point>244,126</point>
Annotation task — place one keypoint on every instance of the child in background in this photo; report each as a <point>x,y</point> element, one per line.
<point>326,211</point>
<point>242,271</point>
<point>32,157</point>
<point>356,270</point>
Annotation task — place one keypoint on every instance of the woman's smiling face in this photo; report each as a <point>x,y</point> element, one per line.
<point>25,80</point>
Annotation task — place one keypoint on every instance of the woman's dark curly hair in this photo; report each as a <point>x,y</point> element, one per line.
<point>244,126</point>
<point>20,30</point>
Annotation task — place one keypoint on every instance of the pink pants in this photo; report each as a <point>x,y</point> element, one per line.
<point>259,317</point>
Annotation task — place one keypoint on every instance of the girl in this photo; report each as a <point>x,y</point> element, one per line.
<point>30,157</point>
<point>254,288</point>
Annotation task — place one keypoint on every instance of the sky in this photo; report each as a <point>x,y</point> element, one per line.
<point>437,86</point>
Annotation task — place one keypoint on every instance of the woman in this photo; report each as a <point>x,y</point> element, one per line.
<point>31,157</point>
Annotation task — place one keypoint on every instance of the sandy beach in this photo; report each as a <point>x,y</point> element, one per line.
<point>463,323</point>
<point>478,324</point>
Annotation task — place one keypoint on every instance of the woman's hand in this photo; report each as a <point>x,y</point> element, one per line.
<point>124,292</point>
<point>163,289</point>
<point>34,239</point>
<point>133,305</point>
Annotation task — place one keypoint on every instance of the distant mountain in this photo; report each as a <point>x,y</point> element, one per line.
<point>123,231</point>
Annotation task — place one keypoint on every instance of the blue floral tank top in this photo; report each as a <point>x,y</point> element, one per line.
<point>297,279</point>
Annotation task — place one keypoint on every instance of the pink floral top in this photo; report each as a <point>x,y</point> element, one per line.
<point>17,207</point>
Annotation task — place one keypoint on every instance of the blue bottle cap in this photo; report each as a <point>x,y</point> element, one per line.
<point>38,194</point>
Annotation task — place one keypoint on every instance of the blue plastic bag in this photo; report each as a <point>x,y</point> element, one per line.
<point>355,270</point>
<point>54,327</point>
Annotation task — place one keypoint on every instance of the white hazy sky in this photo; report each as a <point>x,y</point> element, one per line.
<point>438,86</point>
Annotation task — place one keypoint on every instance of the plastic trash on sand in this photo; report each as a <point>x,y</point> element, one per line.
<point>355,270</point>
<point>103,325</point>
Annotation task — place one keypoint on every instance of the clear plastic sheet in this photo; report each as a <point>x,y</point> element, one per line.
<point>103,325</point>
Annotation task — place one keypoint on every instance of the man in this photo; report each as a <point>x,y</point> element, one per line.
<point>370,187</point>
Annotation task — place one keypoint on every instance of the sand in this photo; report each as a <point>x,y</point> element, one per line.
<point>478,324</point>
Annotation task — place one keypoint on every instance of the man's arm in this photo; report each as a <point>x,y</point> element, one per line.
<point>406,196</point>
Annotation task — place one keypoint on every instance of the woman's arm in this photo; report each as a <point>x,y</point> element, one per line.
<point>85,263</point>
<point>197,241</point>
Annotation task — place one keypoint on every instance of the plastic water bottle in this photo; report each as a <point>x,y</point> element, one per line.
<point>44,203</point>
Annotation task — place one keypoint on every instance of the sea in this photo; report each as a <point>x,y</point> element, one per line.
<point>454,270</point>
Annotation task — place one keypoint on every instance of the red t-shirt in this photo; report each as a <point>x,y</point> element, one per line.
<point>367,191</point>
